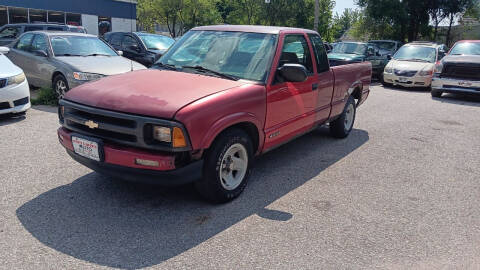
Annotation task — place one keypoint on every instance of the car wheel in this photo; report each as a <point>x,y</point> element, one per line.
<point>342,126</point>
<point>226,167</point>
<point>436,93</point>
<point>60,85</point>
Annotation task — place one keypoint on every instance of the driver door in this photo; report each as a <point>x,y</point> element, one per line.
<point>42,68</point>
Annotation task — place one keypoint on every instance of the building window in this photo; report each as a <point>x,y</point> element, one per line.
<point>3,15</point>
<point>74,19</point>
<point>56,16</point>
<point>104,25</point>
<point>18,15</point>
<point>37,15</point>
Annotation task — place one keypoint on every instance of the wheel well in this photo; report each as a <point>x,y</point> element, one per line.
<point>249,128</point>
<point>55,75</point>
<point>357,94</point>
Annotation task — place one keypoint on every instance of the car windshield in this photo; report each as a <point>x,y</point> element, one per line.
<point>466,48</point>
<point>156,42</point>
<point>384,45</point>
<point>350,48</point>
<point>416,53</point>
<point>242,55</point>
<point>80,46</point>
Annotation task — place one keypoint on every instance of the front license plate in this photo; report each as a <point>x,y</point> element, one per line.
<point>402,79</point>
<point>86,148</point>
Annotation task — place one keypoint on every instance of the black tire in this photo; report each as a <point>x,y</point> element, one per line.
<point>57,82</point>
<point>340,128</point>
<point>436,93</point>
<point>211,186</point>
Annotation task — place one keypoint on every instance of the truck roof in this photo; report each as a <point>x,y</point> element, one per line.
<point>251,29</point>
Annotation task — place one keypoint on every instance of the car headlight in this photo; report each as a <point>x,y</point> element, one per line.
<point>18,79</point>
<point>389,70</point>
<point>173,135</point>
<point>439,67</point>
<point>83,76</point>
<point>426,72</point>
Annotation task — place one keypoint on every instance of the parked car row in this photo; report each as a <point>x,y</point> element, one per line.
<point>10,32</point>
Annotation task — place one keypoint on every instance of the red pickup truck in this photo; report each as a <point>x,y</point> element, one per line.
<point>219,97</point>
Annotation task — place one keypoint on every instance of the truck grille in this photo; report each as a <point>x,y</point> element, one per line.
<point>461,71</point>
<point>3,83</point>
<point>405,73</point>
<point>115,127</point>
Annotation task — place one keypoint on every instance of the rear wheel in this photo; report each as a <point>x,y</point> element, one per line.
<point>227,167</point>
<point>436,93</point>
<point>342,126</point>
<point>60,85</point>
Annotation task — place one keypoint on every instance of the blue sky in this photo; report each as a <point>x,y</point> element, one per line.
<point>343,4</point>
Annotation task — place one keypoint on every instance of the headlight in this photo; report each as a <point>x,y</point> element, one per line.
<point>439,67</point>
<point>16,79</point>
<point>170,135</point>
<point>426,72</point>
<point>82,76</point>
<point>388,70</point>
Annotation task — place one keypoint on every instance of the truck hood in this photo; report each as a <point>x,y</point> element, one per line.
<point>470,59</point>
<point>155,93</point>
<point>410,65</point>
<point>345,57</point>
<point>105,65</point>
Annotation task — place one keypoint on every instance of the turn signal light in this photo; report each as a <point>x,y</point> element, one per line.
<point>178,138</point>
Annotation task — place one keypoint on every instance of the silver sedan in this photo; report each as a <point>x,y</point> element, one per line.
<point>65,60</point>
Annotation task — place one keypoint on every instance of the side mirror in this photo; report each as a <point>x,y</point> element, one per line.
<point>293,72</point>
<point>4,50</point>
<point>120,53</point>
<point>389,57</point>
<point>41,53</point>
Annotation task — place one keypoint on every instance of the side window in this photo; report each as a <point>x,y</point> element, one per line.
<point>10,32</point>
<point>55,28</point>
<point>320,53</point>
<point>116,40</point>
<point>129,41</point>
<point>295,51</point>
<point>33,28</point>
<point>25,43</point>
<point>39,43</point>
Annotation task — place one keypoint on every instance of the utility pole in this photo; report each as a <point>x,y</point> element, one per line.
<point>317,11</point>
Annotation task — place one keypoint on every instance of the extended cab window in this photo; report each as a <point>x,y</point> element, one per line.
<point>33,28</point>
<point>116,40</point>
<point>296,51</point>
<point>129,42</point>
<point>25,43</point>
<point>320,53</point>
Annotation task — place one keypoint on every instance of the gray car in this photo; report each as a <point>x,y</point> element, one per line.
<point>63,60</point>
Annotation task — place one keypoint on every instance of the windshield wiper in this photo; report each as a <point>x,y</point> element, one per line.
<point>167,66</point>
<point>68,54</point>
<point>206,70</point>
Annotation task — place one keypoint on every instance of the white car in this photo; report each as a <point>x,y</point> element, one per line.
<point>413,65</point>
<point>14,89</point>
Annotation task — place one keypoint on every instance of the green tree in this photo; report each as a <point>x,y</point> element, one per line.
<point>454,8</point>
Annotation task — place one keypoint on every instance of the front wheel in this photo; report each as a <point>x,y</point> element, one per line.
<point>343,125</point>
<point>227,167</point>
<point>436,93</point>
<point>60,85</point>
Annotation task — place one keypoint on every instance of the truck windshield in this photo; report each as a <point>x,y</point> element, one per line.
<point>466,48</point>
<point>350,48</point>
<point>416,53</point>
<point>239,54</point>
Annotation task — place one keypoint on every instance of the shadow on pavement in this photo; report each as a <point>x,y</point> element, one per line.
<point>10,118</point>
<point>460,99</point>
<point>127,225</point>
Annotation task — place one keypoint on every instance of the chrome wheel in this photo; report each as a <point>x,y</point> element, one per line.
<point>349,116</point>
<point>233,166</point>
<point>61,88</point>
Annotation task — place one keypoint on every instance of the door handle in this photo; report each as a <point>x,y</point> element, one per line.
<point>314,86</point>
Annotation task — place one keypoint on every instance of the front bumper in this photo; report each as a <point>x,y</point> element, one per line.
<point>448,85</point>
<point>415,81</point>
<point>119,162</point>
<point>15,98</point>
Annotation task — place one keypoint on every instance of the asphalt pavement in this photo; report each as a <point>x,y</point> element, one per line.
<point>402,192</point>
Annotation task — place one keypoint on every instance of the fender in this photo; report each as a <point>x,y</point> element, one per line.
<point>231,120</point>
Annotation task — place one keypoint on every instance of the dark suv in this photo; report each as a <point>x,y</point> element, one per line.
<point>10,32</point>
<point>141,47</point>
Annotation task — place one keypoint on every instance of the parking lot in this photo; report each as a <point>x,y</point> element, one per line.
<point>401,192</point>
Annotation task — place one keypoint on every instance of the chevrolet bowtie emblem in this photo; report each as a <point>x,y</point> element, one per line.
<point>91,124</point>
